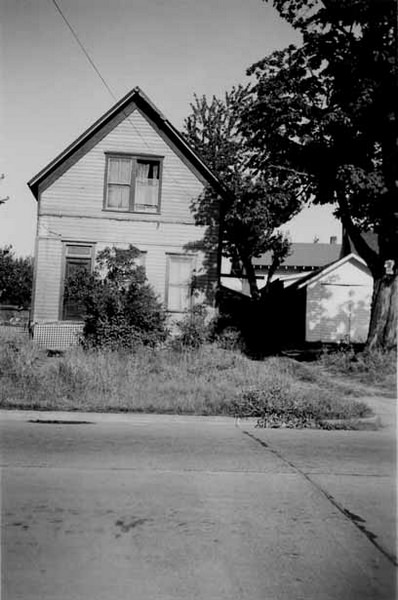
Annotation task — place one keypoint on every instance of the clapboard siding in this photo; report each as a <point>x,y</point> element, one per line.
<point>80,190</point>
<point>156,239</point>
<point>71,208</point>
<point>338,305</point>
<point>49,275</point>
<point>48,280</point>
<point>115,231</point>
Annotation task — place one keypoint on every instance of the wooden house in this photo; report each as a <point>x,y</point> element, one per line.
<point>129,179</point>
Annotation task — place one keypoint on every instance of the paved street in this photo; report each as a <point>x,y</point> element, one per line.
<point>151,507</point>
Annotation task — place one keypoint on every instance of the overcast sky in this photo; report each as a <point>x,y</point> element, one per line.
<point>170,48</point>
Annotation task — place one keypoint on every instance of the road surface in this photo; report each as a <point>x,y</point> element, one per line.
<point>159,508</point>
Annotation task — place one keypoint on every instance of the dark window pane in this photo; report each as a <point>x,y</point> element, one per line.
<point>73,310</point>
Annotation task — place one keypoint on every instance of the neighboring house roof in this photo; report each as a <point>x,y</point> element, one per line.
<point>319,273</point>
<point>309,255</point>
<point>370,238</point>
<point>144,104</point>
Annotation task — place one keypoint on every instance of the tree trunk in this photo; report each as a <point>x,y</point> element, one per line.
<point>251,277</point>
<point>383,319</point>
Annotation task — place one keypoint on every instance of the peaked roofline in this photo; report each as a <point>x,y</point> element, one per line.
<point>312,277</point>
<point>146,105</point>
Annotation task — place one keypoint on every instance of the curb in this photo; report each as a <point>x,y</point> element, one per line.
<point>42,416</point>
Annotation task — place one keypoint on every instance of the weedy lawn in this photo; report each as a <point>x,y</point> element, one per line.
<point>206,381</point>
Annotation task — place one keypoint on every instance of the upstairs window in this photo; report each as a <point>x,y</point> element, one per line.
<point>132,184</point>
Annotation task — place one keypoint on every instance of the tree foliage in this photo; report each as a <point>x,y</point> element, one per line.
<point>254,204</point>
<point>121,308</point>
<point>16,275</point>
<point>327,111</point>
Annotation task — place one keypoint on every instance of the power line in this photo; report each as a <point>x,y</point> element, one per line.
<point>92,63</point>
<point>83,49</point>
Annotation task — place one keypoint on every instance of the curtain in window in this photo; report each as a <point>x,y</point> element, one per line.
<point>119,180</point>
<point>147,186</point>
<point>179,288</point>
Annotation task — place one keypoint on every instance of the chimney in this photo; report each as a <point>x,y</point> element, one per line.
<point>333,239</point>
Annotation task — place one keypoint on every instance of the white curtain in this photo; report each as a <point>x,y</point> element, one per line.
<point>119,170</point>
<point>119,180</point>
<point>179,288</point>
<point>147,186</point>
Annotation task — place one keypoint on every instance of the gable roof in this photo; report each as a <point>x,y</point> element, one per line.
<point>319,273</point>
<point>142,102</point>
<point>310,255</point>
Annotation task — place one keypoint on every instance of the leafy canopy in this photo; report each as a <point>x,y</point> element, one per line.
<point>16,275</point>
<point>327,111</point>
<point>255,204</point>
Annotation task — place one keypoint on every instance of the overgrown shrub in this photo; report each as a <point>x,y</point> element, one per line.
<point>121,308</point>
<point>230,339</point>
<point>193,329</point>
<point>277,405</point>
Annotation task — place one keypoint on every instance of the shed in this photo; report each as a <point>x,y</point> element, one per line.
<point>331,305</point>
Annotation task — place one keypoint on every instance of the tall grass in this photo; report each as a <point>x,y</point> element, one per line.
<point>368,368</point>
<point>205,381</point>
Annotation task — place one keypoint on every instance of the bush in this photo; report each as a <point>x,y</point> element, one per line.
<point>193,329</point>
<point>230,339</point>
<point>278,406</point>
<point>122,310</point>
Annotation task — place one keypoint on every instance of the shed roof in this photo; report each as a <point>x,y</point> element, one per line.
<point>321,272</point>
<point>313,255</point>
<point>142,102</point>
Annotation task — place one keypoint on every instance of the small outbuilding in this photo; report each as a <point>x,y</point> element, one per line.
<point>331,305</point>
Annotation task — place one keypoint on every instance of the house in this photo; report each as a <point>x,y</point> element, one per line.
<point>303,258</point>
<point>129,179</point>
<point>329,305</point>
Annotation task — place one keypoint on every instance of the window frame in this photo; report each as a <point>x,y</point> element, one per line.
<point>135,158</point>
<point>65,244</point>
<point>169,256</point>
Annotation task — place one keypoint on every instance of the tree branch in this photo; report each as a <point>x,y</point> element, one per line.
<point>301,173</point>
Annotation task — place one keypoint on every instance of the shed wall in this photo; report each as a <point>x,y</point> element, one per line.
<point>338,306</point>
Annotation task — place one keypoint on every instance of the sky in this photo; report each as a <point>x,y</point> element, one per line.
<point>49,92</point>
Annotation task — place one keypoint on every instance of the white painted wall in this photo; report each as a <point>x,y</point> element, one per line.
<point>71,210</point>
<point>338,305</point>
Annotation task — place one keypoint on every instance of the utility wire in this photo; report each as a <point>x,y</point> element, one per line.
<point>90,60</point>
<point>92,63</point>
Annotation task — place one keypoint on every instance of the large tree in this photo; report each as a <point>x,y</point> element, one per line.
<point>253,205</point>
<point>327,111</point>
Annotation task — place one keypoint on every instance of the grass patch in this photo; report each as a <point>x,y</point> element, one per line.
<point>376,368</point>
<point>204,381</point>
